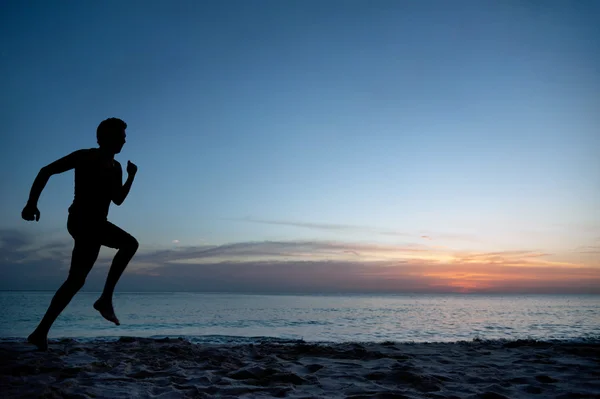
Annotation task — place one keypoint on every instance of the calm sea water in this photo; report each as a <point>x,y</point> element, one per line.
<point>232,317</point>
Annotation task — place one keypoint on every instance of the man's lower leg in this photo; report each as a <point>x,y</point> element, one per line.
<point>59,302</point>
<point>120,262</point>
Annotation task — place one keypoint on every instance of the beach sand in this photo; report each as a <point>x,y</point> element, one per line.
<point>176,368</point>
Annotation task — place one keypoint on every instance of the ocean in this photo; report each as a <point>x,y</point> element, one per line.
<point>230,318</point>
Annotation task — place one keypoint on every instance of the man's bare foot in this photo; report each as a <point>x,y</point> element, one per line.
<point>106,310</point>
<point>39,340</point>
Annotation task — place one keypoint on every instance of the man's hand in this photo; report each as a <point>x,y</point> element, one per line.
<point>30,213</point>
<point>131,168</point>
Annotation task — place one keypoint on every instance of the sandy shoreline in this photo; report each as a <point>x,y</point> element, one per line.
<point>176,368</point>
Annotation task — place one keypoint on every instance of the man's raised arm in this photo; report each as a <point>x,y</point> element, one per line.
<point>30,212</point>
<point>122,191</point>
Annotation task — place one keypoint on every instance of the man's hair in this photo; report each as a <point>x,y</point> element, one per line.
<point>108,128</point>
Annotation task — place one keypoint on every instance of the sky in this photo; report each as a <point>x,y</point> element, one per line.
<point>313,146</point>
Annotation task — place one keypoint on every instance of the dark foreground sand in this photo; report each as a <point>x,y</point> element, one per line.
<point>176,368</point>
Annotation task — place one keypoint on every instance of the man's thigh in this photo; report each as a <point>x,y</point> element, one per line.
<point>115,237</point>
<point>85,254</point>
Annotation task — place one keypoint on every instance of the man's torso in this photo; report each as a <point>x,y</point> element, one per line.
<point>96,180</point>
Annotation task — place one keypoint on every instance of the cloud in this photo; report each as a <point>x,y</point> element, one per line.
<point>14,239</point>
<point>320,226</point>
<point>588,249</point>
<point>325,226</point>
<point>358,229</point>
<point>281,250</point>
<point>453,236</point>
<point>513,258</point>
<point>340,251</point>
<point>590,227</point>
<point>333,266</point>
<point>303,266</point>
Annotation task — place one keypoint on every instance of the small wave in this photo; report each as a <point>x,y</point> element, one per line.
<point>243,340</point>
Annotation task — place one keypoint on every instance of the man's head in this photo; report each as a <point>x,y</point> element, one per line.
<point>111,134</point>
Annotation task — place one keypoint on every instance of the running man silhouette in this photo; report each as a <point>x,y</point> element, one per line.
<point>98,181</point>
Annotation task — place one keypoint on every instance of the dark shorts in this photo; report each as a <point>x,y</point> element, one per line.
<point>90,235</point>
<point>100,232</point>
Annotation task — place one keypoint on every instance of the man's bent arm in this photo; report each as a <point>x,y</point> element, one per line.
<point>124,190</point>
<point>59,166</point>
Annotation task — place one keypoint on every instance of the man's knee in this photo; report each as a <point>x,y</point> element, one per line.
<point>132,244</point>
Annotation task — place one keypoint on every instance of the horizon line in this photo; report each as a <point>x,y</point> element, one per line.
<point>306,293</point>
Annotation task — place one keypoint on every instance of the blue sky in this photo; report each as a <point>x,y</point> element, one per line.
<point>461,127</point>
